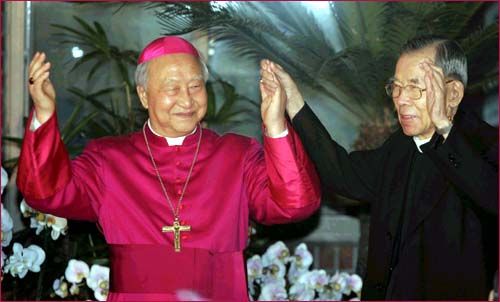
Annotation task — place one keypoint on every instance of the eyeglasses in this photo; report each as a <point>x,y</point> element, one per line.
<point>394,90</point>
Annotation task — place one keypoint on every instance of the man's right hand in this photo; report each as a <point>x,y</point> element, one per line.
<point>295,101</point>
<point>40,88</point>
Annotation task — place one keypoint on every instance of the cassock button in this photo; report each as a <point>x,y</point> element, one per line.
<point>181,206</point>
<point>177,179</point>
<point>177,148</point>
<point>179,192</point>
<point>177,163</point>
<point>184,236</point>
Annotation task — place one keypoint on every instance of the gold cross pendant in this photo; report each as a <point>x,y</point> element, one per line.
<point>177,228</point>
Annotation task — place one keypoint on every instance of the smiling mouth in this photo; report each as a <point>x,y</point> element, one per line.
<point>185,114</point>
<point>407,117</point>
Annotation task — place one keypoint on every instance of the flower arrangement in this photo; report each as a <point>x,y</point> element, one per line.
<point>40,221</point>
<point>23,260</point>
<point>77,271</point>
<point>277,275</point>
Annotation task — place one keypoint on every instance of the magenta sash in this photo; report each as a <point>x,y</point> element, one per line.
<point>143,268</point>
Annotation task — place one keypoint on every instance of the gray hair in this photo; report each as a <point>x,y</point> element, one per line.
<point>141,73</point>
<point>449,55</point>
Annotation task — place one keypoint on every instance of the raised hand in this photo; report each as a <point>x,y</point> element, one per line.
<point>273,103</point>
<point>294,97</point>
<point>40,88</point>
<point>436,94</point>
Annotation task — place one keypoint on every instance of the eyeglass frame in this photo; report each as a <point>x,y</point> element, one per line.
<point>421,90</point>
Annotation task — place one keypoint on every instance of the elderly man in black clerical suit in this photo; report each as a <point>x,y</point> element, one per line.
<point>432,185</point>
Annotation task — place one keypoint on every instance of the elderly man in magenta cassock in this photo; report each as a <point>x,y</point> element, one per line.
<point>432,185</point>
<point>173,200</point>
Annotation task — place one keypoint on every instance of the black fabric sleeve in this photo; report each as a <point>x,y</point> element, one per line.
<point>352,175</point>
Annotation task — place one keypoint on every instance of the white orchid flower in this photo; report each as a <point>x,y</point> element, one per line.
<point>26,210</point>
<point>273,291</point>
<point>59,226</point>
<point>275,271</point>
<point>76,271</point>
<point>354,283</point>
<point>5,179</point>
<point>338,282</point>
<point>330,295</point>
<point>295,272</point>
<point>60,287</point>
<point>74,290</point>
<point>37,225</point>
<point>97,273</point>
<point>98,281</point>
<point>300,292</point>
<point>254,267</point>
<point>254,272</point>
<point>34,256</point>
<point>315,279</point>
<point>102,291</point>
<point>7,226</point>
<point>276,251</point>
<point>303,257</point>
<point>24,260</point>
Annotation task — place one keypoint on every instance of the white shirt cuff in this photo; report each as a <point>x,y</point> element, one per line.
<point>35,123</point>
<point>282,134</point>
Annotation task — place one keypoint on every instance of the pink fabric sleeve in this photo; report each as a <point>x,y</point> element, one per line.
<point>282,182</point>
<point>50,182</point>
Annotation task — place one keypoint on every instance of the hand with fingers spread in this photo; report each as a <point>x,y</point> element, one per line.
<point>436,94</point>
<point>40,88</point>
<point>273,102</point>
<point>294,97</point>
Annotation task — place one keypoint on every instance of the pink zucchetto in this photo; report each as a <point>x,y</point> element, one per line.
<point>164,46</point>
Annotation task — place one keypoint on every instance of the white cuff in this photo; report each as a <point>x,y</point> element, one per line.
<point>35,123</point>
<point>282,134</point>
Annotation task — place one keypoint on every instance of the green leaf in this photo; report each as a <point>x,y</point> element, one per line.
<point>79,126</point>
<point>85,58</point>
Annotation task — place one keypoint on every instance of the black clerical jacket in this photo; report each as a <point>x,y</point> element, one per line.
<point>450,247</point>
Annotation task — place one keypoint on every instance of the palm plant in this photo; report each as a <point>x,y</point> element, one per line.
<point>117,104</point>
<point>352,72</point>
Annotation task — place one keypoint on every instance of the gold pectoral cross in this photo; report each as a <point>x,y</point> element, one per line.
<point>177,228</point>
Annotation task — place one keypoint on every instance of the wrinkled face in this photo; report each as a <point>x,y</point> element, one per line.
<point>413,114</point>
<point>175,94</point>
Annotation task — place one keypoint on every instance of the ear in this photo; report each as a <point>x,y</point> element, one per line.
<point>143,96</point>
<point>454,93</point>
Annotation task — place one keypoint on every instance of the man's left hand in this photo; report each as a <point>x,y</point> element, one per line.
<point>435,93</point>
<point>273,103</point>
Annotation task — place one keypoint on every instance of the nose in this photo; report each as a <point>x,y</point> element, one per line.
<point>185,99</point>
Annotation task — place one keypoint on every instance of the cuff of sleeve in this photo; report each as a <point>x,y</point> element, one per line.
<point>35,123</point>
<point>282,134</point>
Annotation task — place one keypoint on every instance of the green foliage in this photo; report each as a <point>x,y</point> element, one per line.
<point>353,71</point>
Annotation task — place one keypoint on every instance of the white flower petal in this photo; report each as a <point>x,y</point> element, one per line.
<point>274,291</point>
<point>98,273</point>
<point>276,251</point>
<point>355,283</point>
<point>5,179</point>
<point>76,271</point>
<point>26,210</point>
<point>40,254</point>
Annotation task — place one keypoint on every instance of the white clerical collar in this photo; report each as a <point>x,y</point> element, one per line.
<point>419,142</point>
<point>172,141</point>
